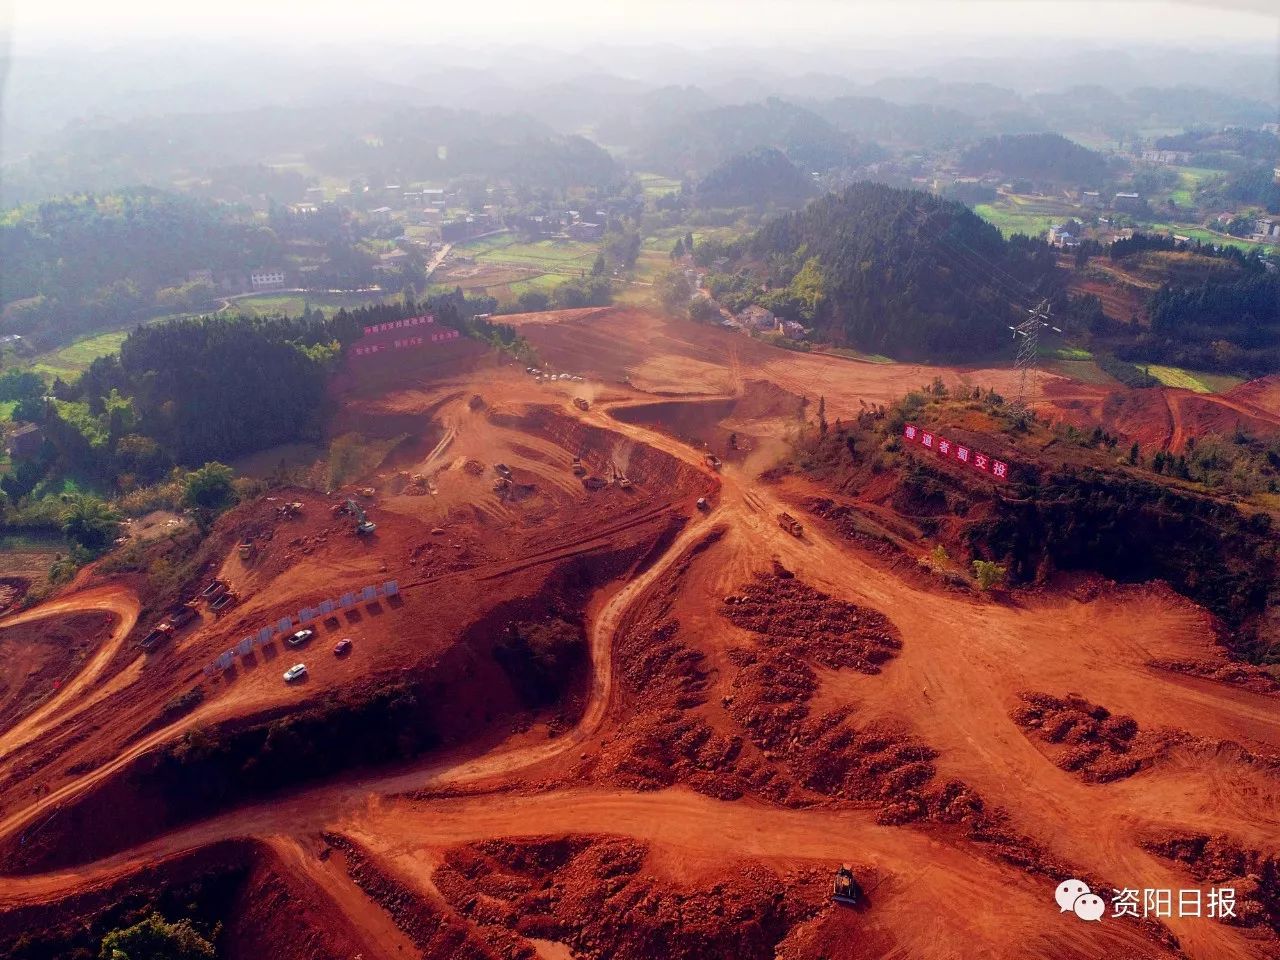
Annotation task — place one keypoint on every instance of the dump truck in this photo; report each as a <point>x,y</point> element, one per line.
<point>212,589</point>
<point>845,889</point>
<point>157,636</point>
<point>790,524</point>
<point>246,550</point>
<point>581,403</point>
<point>502,470</point>
<point>713,461</point>
<point>594,483</point>
<point>578,469</point>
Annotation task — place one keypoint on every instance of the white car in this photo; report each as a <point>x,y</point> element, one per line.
<point>301,637</point>
<point>296,672</point>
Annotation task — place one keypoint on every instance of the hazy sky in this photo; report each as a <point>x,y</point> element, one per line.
<point>38,23</point>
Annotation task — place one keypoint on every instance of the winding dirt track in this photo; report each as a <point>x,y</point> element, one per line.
<point>122,603</point>
<point>961,662</point>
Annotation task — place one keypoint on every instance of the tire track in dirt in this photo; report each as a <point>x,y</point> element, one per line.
<point>116,600</point>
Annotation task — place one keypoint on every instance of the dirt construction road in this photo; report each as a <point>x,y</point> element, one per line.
<point>962,665</point>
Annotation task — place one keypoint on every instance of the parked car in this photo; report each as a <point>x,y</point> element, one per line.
<point>301,637</point>
<point>296,672</point>
<point>342,647</point>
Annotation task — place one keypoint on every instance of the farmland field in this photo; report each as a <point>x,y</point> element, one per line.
<point>1193,380</point>
<point>1011,214</point>
<point>73,359</point>
<point>294,303</point>
<point>655,184</point>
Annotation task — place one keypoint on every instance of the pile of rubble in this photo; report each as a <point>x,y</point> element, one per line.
<point>1087,739</point>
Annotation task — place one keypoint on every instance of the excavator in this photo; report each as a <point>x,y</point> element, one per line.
<point>363,524</point>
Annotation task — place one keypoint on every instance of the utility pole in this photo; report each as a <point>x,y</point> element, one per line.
<point>1027,362</point>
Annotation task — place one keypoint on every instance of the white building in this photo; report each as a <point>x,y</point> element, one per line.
<point>266,279</point>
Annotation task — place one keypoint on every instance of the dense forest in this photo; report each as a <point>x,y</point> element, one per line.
<point>1252,185</point>
<point>1229,148</point>
<point>111,253</point>
<point>763,177</point>
<point>1039,157</point>
<point>901,272</point>
<point>1232,326</point>
<point>187,391</point>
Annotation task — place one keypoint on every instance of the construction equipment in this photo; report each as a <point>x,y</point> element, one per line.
<point>502,470</point>
<point>363,524</point>
<point>845,889</point>
<point>246,550</point>
<point>581,403</point>
<point>287,510</point>
<point>702,504</point>
<point>713,461</point>
<point>578,469</point>
<point>624,483</point>
<point>790,524</point>
<point>157,636</point>
<point>594,483</point>
<point>212,589</point>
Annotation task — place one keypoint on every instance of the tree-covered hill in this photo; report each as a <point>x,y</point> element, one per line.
<point>699,141</point>
<point>761,178</point>
<point>901,272</point>
<point>1042,157</point>
<point>72,247</point>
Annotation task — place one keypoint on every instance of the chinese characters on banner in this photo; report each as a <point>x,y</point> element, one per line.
<point>956,451</point>
<point>398,325</point>
<point>400,344</point>
<point>376,339</point>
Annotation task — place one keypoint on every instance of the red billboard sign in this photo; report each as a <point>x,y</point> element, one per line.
<point>958,452</point>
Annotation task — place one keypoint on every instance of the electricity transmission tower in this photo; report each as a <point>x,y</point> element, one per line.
<point>1028,359</point>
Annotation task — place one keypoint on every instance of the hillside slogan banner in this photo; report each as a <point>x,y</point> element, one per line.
<point>956,451</point>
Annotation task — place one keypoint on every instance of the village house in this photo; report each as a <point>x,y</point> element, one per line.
<point>756,317</point>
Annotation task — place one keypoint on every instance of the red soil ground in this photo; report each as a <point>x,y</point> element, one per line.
<point>752,708</point>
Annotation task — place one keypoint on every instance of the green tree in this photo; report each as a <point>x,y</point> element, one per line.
<point>678,250</point>
<point>90,522</point>
<point>156,939</point>
<point>988,573</point>
<point>210,487</point>
<point>673,291</point>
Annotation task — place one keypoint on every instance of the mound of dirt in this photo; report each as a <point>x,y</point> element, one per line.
<point>593,894</point>
<point>1244,675</point>
<point>1220,862</point>
<point>789,614</point>
<point>1087,739</point>
<point>427,922</point>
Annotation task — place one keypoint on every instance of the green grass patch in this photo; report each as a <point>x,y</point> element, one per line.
<point>1009,219</point>
<point>1082,371</point>
<point>6,409</point>
<point>70,361</point>
<point>655,184</point>
<point>1068,353</point>
<point>851,354</point>
<point>1206,236</point>
<point>1192,380</point>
